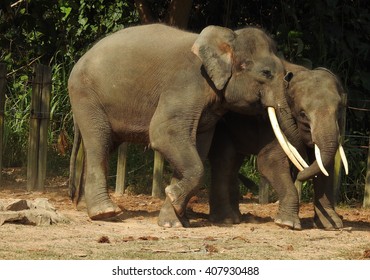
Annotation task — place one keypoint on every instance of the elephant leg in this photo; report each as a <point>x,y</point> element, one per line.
<point>274,166</point>
<point>96,135</point>
<point>167,215</point>
<point>224,190</point>
<point>325,215</point>
<point>187,160</point>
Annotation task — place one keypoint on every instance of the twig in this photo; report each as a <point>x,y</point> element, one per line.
<point>359,109</point>
<point>172,251</point>
<point>24,66</point>
<point>16,3</point>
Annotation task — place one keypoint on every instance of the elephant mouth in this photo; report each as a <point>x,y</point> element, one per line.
<point>292,152</point>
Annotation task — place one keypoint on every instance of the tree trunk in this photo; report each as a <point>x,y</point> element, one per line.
<point>145,13</point>
<point>178,13</point>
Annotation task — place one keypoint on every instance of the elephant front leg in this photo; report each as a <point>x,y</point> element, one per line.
<point>169,218</point>
<point>187,159</point>
<point>325,215</point>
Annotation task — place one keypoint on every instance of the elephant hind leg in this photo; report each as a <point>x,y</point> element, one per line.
<point>99,204</point>
<point>76,168</point>
<point>96,137</point>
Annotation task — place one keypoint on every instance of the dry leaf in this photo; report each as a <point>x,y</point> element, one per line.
<point>104,239</point>
<point>211,249</point>
<point>152,238</point>
<point>210,238</point>
<point>367,254</point>
<point>62,143</point>
<point>128,238</point>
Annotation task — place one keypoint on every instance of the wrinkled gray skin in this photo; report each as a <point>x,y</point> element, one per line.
<point>315,100</point>
<point>166,88</point>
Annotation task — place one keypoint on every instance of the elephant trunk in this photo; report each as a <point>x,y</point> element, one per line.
<point>326,144</point>
<point>289,127</point>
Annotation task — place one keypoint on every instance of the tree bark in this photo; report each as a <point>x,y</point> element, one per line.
<point>178,13</point>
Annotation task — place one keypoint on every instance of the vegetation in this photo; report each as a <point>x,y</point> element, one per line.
<point>330,33</point>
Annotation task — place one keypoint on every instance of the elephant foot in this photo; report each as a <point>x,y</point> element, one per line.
<point>225,217</point>
<point>104,211</point>
<point>288,221</point>
<point>178,198</point>
<point>327,218</point>
<point>168,217</point>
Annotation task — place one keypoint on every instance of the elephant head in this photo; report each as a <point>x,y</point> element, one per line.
<point>315,98</point>
<point>243,68</point>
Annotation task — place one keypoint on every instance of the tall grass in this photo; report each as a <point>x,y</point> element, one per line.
<point>17,112</point>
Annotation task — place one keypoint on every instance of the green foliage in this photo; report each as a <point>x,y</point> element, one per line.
<point>55,33</point>
<point>249,170</point>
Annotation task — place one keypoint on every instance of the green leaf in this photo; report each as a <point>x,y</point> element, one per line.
<point>66,11</point>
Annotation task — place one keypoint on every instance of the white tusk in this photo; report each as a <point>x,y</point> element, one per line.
<point>344,158</point>
<point>280,137</point>
<point>297,155</point>
<point>319,161</point>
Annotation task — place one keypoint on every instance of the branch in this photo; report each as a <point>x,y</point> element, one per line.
<point>16,3</point>
<point>24,66</point>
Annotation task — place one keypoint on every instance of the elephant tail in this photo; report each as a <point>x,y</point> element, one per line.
<point>76,171</point>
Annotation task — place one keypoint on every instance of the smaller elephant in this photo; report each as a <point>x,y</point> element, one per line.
<point>315,99</point>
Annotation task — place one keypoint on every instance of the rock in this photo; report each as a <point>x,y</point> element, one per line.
<point>17,205</point>
<point>38,212</point>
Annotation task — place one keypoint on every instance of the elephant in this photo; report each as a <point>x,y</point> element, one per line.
<point>167,88</point>
<point>315,99</point>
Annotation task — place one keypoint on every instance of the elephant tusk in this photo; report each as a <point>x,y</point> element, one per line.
<point>297,154</point>
<point>319,161</point>
<point>344,158</point>
<point>281,138</point>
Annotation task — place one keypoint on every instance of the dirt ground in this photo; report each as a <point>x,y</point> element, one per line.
<point>136,235</point>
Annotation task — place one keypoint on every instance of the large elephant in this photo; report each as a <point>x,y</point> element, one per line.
<point>167,88</point>
<point>315,100</point>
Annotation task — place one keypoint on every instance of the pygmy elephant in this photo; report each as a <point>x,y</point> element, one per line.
<point>167,88</point>
<point>315,100</point>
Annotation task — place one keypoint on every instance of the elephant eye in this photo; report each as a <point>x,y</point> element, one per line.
<point>267,73</point>
<point>302,115</point>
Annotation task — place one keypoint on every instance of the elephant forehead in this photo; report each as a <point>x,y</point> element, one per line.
<point>268,62</point>
<point>255,40</point>
<point>311,85</point>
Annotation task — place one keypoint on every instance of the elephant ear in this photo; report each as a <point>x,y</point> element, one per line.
<point>214,47</point>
